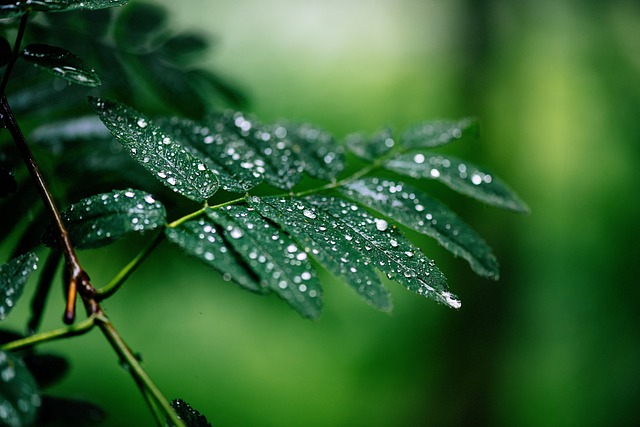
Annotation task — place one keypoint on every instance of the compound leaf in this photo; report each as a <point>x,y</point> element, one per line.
<point>462,176</point>
<point>13,278</point>
<point>202,239</point>
<point>416,210</point>
<point>321,155</point>
<point>282,266</point>
<point>435,133</point>
<point>330,244</point>
<point>174,166</point>
<point>99,220</point>
<point>19,395</point>
<point>388,249</point>
<point>61,63</point>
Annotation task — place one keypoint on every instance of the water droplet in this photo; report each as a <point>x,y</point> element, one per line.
<point>142,123</point>
<point>394,243</point>
<point>381,224</point>
<point>419,158</point>
<point>236,233</point>
<point>309,213</point>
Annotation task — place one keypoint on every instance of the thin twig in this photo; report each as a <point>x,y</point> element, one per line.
<point>136,371</point>
<point>15,54</point>
<point>69,331</point>
<point>42,290</point>
<point>115,283</point>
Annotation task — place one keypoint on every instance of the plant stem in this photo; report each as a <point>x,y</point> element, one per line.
<point>78,278</point>
<point>69,331</point>
<point>365,170</point>
<point>42,290</point>
<point>16,52</point>
<point>136,371</point>
<point>115,283</point>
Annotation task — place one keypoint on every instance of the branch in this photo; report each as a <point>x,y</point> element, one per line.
<point>70,331</point>
<point>115,283</point>
<point>78,278</point>
<point>157,402</point>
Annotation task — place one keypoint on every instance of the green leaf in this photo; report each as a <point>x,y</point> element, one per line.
<point>416,210</point>
<point>55,135</point>
<point>99,220</point>
<point>57,412</point>
<point>435,133</point>
<point>462,176</point>
<point>388,249</point>
<point>18,7</point>
<point>371,147</point>
<point>184,47</point>
<point>188,415</point>
<point>46,369</point>
<point>329,242</point>
<point>321,155</point>
<point>19,395</point>
<point>202,239</point>
<point>282,266</point>
<point>174,166</point>
<point>13,278</point>
<point>61,63</point>
<point>277,162</point>
<point>224,153</point>
<point>138,22</point>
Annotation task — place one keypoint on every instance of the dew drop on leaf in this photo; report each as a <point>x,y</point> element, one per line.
<point>236,233</point>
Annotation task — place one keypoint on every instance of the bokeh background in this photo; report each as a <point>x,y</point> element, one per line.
<point>556,86</point>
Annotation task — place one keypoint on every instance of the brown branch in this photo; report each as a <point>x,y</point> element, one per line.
<point>78,279</point>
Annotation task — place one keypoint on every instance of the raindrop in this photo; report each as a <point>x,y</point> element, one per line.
<point>381,224</point>
<point>309,213</point>
<point>419,158</point>
<point>236,233</point>
<point>142,123</point>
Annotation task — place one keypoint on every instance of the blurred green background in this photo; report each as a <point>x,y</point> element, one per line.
<point>556,86</point>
